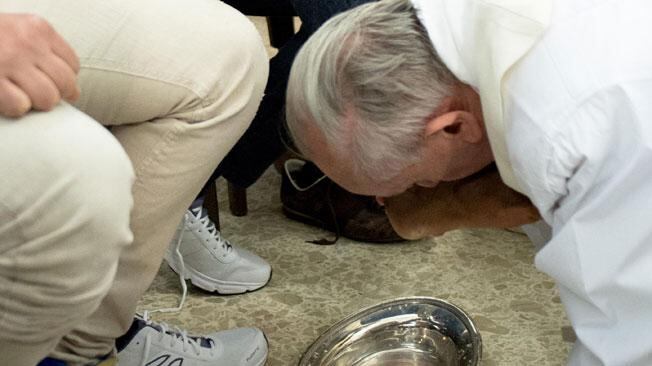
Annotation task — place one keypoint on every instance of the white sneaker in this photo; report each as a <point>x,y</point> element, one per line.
<point>210,261</point>
<point>155,344</point>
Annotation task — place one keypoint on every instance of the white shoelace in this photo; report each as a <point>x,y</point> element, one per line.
<point>208,225</point>
<point>296,164</point>
<point>176,336</point>
<point>182,280</point>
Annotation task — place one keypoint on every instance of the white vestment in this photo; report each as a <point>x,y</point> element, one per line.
<point>571,127</point>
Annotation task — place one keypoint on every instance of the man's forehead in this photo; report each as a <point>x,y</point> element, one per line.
<point>317,149</point>
<point>315,146</point>
<point>310,142</point>
<point>339,166</point>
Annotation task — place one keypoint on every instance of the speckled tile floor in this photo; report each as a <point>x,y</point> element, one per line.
<point>489,273</point>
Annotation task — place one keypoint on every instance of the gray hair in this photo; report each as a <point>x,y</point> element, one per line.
<point>369,79</point>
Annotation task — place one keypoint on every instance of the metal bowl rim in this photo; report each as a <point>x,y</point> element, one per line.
<point>463,316</point>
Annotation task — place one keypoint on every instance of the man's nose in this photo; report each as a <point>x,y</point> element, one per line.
<point>380,200</point>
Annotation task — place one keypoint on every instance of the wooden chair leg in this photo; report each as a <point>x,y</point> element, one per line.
<point>237,200</point>
<point>211,205</point>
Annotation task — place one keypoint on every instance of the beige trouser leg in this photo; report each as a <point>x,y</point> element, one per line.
<point>65,198</point>
<point>178,82</point>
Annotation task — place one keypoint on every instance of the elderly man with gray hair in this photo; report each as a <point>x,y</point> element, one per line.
<point>415,100</point>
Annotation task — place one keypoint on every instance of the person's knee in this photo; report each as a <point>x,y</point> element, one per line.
<point>253,68</point>
<point>236,62</point>
<point>94,211</point>
<point>251,58</point>
<point>89,172</point>
<point>70,220</point>
<point>68,166</point>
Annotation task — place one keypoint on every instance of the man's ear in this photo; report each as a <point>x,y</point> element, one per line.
<point>455,124</point>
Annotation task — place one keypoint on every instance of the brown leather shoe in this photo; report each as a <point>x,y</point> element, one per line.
<point>324,204</point>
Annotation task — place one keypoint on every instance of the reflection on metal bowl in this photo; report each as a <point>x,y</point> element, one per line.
<point>414,331</point>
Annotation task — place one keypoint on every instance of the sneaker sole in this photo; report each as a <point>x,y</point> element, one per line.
<point>213,285</point>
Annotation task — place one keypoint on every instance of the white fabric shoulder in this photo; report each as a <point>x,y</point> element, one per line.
<point>480,41</point>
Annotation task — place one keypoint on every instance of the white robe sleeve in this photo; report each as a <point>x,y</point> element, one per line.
<point>593,185</point>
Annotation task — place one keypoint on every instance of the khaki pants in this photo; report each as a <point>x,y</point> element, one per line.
<point>176,83</point>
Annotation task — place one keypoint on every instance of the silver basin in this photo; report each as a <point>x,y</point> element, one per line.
<point>414,331</point>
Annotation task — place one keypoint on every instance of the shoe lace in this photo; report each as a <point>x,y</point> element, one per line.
<point>331,208</point>
<point>177,336</point>
<point>291,165</point>
<point>182,280</point>
<point>220,243</point>
<point>209,226</point>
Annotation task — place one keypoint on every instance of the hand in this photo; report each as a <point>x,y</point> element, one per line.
<point>37,67</point>
<point>481,200</point>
